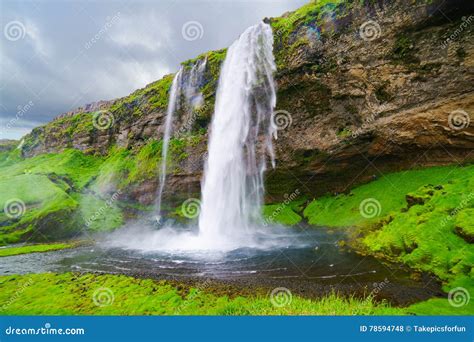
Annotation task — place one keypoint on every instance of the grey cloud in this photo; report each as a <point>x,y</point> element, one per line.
<point>74,52</point>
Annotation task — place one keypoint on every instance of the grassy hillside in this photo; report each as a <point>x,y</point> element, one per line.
<point>422,218</point>
<point>45,198</point>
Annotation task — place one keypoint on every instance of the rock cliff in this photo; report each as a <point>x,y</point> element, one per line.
<point>364,87</point>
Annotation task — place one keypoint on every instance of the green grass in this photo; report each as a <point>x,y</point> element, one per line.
<point>9,251</point>
<point>49,189</point>
<point>310,15</point>
<point>431,235</point>
<point>279,213</point>
<point>124,167</point>
<point>425,220</point>
<point>73,164</point>
<point>389,190</point>
<point>37,196</point>
<point>67,192</point>
<point>98,214</point>
<point>73,294</point>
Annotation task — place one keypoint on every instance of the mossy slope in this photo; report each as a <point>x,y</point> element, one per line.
<point>422,218</point>
<point>50,192</point>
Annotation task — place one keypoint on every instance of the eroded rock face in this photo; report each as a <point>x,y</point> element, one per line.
<point>361,102</point>
<point>361,108</point>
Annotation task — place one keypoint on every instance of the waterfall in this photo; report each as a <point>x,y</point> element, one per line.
<point>184,94</point>
<point>240,138</point>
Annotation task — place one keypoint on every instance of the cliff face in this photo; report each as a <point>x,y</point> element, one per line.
<point>362,89</point>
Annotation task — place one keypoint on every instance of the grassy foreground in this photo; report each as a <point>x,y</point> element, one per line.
<point>90,294</point>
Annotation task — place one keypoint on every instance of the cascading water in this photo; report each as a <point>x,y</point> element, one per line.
<point>185,84</point>
<point>240,145</point>
<point>240,138</point>
<point>172,104</point>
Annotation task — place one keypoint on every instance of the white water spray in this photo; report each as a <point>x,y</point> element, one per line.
<point>240,144</point>
<point>240,140</point>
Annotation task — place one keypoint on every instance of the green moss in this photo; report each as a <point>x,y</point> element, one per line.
<point>433,241</point>
<point>147,162</point>
<point>463,223</point>
<point>344,132</point>
<point>310,15</point>
<point>280,214</point>
<point>382,93</point>
<point>425,219</point>
<point>461,288</point>
<point>49,188</point>
<point>123,167</point>
<point>152,97</point>
<point>98,214</point>
<point>9,251</point>
<point>36,197</point>
<point>72,164</point>
<point>390,191</point>
<point>404,50</point>
<point>73,294</point>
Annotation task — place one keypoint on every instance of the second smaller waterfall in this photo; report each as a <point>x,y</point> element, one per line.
<point>184,96</point>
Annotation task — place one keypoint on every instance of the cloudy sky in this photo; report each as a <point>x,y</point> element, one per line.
<point>58,55</point>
